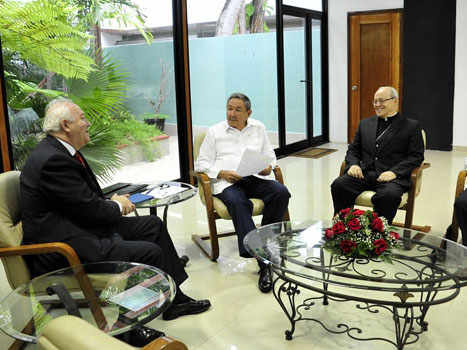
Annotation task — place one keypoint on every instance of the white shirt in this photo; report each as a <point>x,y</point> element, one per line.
<point>223,146</point>
<point>72,151</point>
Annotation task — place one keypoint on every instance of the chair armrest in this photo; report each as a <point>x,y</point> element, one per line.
<point>205,183</point>
<point>33,249</point>
<point>165,343</point>
<point>342,170</point>
<point>460,182</point>
<point>278,174</point>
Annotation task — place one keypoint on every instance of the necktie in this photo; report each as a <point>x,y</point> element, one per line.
<point>80,158</point>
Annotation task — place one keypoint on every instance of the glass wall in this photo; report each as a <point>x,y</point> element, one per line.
<point>232,49</point>
<point>129,81</point>
<point>317,77</point>
<point>316,5</point>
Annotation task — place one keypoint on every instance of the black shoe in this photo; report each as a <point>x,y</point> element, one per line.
<point>140,336</point>
<point>265,279</point>
<point>188,308</point>
<point>184,260</point>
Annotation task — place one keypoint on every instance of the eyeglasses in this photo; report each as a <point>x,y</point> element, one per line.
<point>375,102</point>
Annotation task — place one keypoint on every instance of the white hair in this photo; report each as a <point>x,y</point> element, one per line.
<point>393,91</point>
<point>57,110</point>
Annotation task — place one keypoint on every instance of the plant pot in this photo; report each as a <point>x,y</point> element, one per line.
<point>160,123</point>
<point>150,121</point>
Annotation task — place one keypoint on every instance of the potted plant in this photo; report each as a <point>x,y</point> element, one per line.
<point>157,119</point>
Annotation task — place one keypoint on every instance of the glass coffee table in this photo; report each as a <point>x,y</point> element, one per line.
<point>426,270</point>
<point>182,192</point>
<point>114,296</point>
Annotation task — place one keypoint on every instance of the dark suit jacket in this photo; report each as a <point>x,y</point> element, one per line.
<point>400,149</point>
<point>62,201</point>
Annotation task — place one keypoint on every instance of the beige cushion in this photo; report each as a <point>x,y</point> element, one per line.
<point>11,231</point>
<point>72,333</point>
<point>364,199</point>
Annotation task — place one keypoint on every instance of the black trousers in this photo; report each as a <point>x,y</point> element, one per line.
<point>345,189</point>
<point>142,239</point>
<point>460,210</point>
<point>236,198</point>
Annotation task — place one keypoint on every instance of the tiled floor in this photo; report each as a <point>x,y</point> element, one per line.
<point>243,318</point>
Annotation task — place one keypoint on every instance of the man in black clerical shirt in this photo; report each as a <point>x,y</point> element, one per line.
<point>385,150</point>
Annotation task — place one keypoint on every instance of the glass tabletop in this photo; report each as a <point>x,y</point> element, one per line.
<point>167,193</point>
<point>114,296</point>
<point>420,263</point>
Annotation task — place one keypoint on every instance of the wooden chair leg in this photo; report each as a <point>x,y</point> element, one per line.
<point>212,251</point>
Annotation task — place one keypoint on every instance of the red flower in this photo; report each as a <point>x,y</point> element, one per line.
<point>377,224</point>
<point>380,246</point>
<point>395,235</point>
<point>374,215</point>
<point>347,246</point>
<point>358,212</point>
<point>328,233</point>
<point>338,227</point>
<point>344,212</point>
<point>354,224</point>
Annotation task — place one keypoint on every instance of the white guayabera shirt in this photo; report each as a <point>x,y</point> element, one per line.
<point>223,146</point>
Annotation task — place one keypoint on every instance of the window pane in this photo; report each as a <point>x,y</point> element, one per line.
<point>316,5</point>
<point>317,84</point>
<point>295,80</point>
<point>150,97</point>
<point>232,56</point>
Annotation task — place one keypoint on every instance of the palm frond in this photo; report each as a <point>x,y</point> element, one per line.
<point>102,155</point>
<point>103,93</point>
<point>40,32</point>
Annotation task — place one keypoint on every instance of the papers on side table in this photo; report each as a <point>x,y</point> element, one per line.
<point>252,162</point>
<point>165,190</point>
<point>137,298</point>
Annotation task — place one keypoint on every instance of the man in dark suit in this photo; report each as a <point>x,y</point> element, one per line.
<point>61,201</point>
<point>385,150</point>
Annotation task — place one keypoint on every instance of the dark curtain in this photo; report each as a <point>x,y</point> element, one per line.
<point>429,28</point>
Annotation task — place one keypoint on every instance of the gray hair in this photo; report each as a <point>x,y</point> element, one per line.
<point>392,90</point>
<point>243,97</point>
<point>57,110</point>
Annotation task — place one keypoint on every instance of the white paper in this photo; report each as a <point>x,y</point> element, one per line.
<point>136,298</point>
<point>162,191</point>
<point>252,162</point>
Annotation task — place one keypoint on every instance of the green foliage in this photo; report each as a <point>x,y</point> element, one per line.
<point>24,142</point>
<point>155,116</point>
<point>40,32</point>
<point>125,12</point>
<point>103,93</point>
<point>102,155</point>
<point>128,130</point>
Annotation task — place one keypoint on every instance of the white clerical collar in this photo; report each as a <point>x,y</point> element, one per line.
<point>68,147</point>
<point>389,116</point>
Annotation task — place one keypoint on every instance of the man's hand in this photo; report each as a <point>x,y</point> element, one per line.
<point>265,172</point>
<point>127,206</point>
<point>229,175</point>
<point>386,176</point>
<point>355,171</point>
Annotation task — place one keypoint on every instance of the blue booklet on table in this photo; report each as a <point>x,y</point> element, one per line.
<point>139,197</point>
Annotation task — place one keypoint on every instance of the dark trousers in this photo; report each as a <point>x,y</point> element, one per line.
<point>236,198</point>
<point>345,189</point>
<point>142,239</point>
<point>460,210</point>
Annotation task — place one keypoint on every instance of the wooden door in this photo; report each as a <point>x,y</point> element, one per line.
<point>374,61</point>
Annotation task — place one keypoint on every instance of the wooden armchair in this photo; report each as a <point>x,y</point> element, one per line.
<point>215,209</point>
<point>461,177</point>
<point>408,198</point>
<point>12,252</point>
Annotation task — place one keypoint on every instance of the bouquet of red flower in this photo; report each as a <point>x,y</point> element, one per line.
<point>362,234</point>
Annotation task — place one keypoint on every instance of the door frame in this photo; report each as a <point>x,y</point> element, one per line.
<point>349,65</point>
<point>281,10</point>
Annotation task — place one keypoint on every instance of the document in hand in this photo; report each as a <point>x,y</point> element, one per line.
<point>252,162</point>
